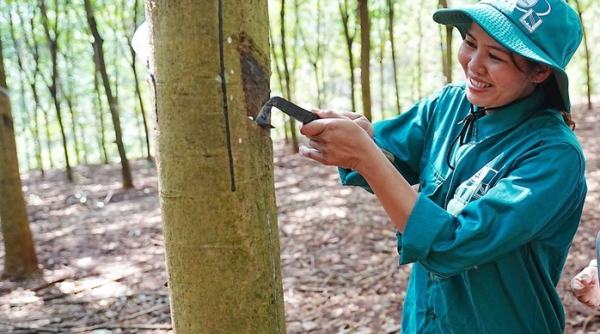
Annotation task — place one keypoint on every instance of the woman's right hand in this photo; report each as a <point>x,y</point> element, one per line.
<point>585,285</point>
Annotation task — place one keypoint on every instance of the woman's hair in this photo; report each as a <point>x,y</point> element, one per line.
<point>552,95</point>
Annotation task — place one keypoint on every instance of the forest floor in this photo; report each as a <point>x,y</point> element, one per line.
<point>102,252</point>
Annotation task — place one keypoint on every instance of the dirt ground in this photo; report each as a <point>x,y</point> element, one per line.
<point>103,257</point>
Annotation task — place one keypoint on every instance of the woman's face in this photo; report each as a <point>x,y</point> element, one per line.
<point>495,76</point>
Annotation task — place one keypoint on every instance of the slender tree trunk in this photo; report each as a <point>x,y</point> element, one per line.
<point>24,114</point>
<point>446,40</point>
<point>143,116</point>
<point>20,260</point>
<point>53,87</point>
<point>349,37</point>
<point>365,57</point>
<point>67,93</point>
<point>76,143</point>
<point>138,91</point>
<point>586,48</point>
<point>112,101</point>
<point>419,67</point>
<point>102,130</point>
<point>391,25</point>
<point>215,166</point>
<point>48,136</point>
<point>276,64</point>
<point>287,77</point>
<point>32,46</point>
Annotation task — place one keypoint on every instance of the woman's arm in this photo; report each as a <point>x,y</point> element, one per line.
<point>339,141</point>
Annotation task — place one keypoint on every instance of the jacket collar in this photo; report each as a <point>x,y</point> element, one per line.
<point>509,116</point>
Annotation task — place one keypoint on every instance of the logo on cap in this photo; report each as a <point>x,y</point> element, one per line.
<point>526,3</point>
<point>531,20</point>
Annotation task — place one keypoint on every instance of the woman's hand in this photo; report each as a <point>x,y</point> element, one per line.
<point>339,138</point>
<point>357,118</point>
<point>585,285</point>
<point>344,139</point>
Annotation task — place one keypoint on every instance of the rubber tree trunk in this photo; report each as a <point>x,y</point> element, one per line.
<point>20,260</point>
<point>215,165</point>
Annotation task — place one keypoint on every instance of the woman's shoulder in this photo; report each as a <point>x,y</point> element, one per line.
<point>548,126</point>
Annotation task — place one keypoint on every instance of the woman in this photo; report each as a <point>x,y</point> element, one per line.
<point>500,173</point>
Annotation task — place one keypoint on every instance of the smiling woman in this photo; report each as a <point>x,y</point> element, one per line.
<point>495,76</point>
<point>500,174</point>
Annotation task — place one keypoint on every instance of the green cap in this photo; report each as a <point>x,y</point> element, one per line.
<point>545,31</point>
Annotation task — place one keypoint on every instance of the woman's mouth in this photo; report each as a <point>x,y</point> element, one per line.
<point>479,84</point>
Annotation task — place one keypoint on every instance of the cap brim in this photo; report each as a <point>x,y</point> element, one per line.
<point>506,34</point>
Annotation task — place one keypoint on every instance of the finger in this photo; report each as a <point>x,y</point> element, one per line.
<point>328,113</point>
<point>311,153</point>
<point>584,278</point>
<point>576,285</point>
<point>350,114</point>
<point>313,128</point>
<point>314,145</point>
<point>582,293</point>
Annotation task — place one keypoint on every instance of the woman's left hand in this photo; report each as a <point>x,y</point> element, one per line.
<point>585,285</point>
<point>338,140</point>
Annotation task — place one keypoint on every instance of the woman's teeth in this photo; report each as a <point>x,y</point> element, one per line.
<point>479,84</point>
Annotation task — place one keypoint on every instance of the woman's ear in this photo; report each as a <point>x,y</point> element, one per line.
<point>541,73</point>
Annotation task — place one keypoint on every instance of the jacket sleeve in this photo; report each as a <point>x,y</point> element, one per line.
<point>543,192</point>
<point>403,135</point>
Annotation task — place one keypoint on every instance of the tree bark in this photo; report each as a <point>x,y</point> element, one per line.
<point>20,260</point>
<point>215,165</point>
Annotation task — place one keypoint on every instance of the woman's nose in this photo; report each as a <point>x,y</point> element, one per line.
<point>476,63</point>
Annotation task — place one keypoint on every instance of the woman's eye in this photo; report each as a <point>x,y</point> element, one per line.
<point>470,44</point>
<point>496,58</point>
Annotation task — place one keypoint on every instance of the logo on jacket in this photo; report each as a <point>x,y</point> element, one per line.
<point>475,187</point>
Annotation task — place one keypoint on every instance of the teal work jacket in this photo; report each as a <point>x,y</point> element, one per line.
<point>489,238</point>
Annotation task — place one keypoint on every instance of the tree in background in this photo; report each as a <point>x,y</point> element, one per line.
<point>349,35</point>
<point>215,165</point>
<point>446,46</point>
<point>112,100</point>
<point>20,260</point>
<point>365,57</point>
<point>392,37</point>
<point>53,84</point>
<point>586,49</point>
<point>287,75</point>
